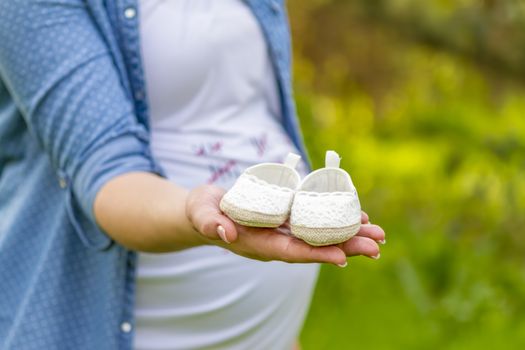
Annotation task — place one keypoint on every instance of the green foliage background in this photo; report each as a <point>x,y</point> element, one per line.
<point>434,138</point>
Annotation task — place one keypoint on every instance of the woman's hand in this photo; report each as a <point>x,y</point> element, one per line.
<point>202,209</point>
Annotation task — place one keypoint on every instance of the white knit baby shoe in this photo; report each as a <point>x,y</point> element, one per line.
<point>326,208</point>
<point>263,194</point>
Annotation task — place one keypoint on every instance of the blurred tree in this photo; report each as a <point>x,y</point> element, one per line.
<point>425,102</point>
<point>488,33</point>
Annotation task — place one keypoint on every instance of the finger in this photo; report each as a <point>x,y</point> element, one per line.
<point>364,218</point>
<point>276,246</point>
<point>215,225</point>
<point>296,251</point>
<point>358,245</point>
<point>372,231</point>
<point>226,229</point>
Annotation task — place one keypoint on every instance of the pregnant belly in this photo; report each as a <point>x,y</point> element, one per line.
<point>209,297</point>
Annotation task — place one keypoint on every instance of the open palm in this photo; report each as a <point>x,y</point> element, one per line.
<point>267,244</point>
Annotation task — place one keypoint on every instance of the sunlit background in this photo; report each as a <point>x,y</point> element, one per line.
<point>425,101</point>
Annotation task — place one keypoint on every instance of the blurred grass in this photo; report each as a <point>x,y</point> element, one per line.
<point>438,158</point>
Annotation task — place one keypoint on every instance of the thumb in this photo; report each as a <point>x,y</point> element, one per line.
<point>215,225</point>
<point>226,229</point>
<point>203,209</point>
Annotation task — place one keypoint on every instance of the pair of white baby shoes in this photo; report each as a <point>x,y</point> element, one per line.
<point>323,209</point>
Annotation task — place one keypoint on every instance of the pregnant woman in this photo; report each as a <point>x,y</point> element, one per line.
<point>121,125</point>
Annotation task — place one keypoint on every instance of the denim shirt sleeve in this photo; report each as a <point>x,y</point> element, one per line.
<point>62,77</point>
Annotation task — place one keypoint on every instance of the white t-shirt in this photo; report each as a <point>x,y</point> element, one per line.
<point>214,110</point>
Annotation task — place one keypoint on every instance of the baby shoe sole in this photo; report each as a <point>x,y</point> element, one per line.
<point>321,236</point>
<point>250,218</point>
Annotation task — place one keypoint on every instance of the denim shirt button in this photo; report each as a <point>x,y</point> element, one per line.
<point>125,327</point>
<point>62,182</point>
<point>130,13</point>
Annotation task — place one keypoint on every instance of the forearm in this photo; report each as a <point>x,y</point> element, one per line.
<point>145,212</point>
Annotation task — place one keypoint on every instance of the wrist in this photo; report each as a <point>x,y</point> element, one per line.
<point>177,224</point>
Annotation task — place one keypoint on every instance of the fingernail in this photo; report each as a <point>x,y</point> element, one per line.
<point>222,233</point>
<point>383,241</point>
<point>343,265</point>
<point>376,257</point>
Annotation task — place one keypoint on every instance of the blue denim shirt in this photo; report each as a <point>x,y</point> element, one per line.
<point>74,114</point>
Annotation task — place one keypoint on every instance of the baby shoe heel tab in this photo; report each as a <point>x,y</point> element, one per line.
<point>292,160</point>
<point>332,159</point>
